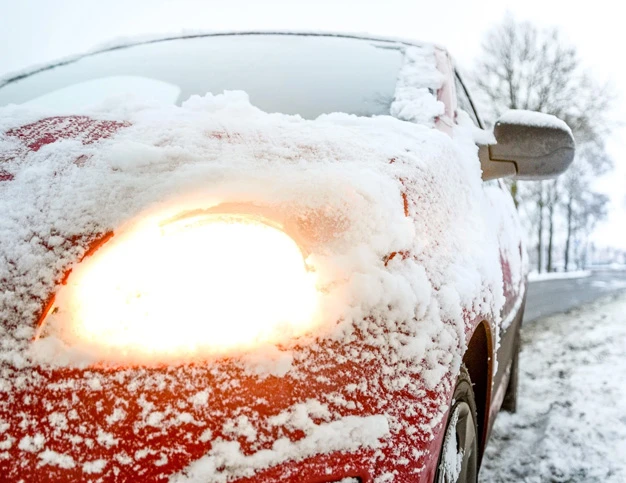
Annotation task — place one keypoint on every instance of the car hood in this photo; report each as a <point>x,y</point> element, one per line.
<point>392,212</point>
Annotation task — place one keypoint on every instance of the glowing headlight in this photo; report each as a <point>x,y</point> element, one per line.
<point>202,283</point>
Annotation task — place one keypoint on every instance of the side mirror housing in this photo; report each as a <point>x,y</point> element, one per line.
<point>529,145</point>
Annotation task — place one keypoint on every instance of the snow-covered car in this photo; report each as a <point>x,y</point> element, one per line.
<point>258,258</point>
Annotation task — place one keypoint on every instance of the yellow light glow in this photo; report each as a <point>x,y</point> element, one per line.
<point>190,286</point>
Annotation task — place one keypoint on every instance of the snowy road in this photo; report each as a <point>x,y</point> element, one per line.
<point>555,296</point>
<point>571,419</point>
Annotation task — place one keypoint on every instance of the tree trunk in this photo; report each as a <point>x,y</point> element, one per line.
<point>514,194</point>
<point>583,264</point>
<point>550,235</point>
<point>540,204</point>
<point>553,198</point>
<point>569,232</point>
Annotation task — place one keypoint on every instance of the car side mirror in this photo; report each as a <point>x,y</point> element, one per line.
<point>529,145</point>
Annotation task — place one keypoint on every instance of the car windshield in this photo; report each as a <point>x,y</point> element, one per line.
<point>307,75</point>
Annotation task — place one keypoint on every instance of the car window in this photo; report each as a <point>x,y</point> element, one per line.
<point>307,75</point>
<point>464,102</point>
<point>81,94</point>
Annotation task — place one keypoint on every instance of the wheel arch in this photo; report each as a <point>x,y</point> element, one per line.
<point>478,360</point>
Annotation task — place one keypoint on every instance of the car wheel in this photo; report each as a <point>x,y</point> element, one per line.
<point>509,402</point>
<point>458,458</point>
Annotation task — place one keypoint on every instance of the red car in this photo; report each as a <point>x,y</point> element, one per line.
<point>318,279</point>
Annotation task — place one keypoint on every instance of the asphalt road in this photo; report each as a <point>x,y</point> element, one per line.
<point>554,296</point>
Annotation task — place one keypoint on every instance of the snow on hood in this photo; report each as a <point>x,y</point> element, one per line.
<point>412,254</point>
<point>220,149</point>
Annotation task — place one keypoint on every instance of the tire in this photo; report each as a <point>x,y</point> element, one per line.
<point>460,440</point>
<point>509,403</point>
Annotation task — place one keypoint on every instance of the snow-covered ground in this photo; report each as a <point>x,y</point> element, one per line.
<point>539,277</point>
<point>571,419</point>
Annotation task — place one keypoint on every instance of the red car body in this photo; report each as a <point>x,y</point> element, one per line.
<point>194,401</point>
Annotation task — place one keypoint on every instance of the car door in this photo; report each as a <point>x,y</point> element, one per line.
<point>502,211</point>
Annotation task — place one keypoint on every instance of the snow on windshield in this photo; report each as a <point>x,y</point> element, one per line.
<point>306,75</point>
<point>419,79</point>
<point>404,254</point>
<point>77,96</point>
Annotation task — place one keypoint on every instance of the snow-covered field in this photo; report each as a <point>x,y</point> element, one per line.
<point>571,419</point>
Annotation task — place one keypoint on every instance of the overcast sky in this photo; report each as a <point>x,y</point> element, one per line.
<point>37,31</point>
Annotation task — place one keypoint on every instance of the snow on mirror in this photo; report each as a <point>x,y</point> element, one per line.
<point>530,145</point>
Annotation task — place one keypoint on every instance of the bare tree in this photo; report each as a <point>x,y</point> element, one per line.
<point>588,209</point>
<point>523,67</point>
<point>552,201</point>
<point>540,205</point>
<point>533,217</point>
<point>573,184</point>
<point>577,189</point>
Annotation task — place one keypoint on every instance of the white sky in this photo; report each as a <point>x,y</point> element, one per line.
<point>37,31</point>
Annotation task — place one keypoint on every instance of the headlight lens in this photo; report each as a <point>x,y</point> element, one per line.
<point>195,284</point>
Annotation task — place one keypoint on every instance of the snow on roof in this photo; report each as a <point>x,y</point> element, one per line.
<point>409,250</point>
